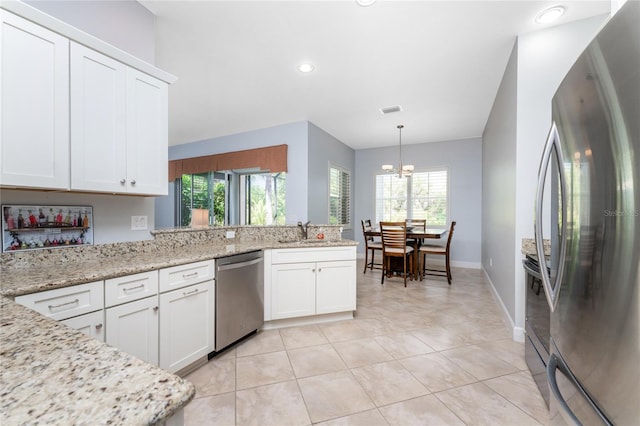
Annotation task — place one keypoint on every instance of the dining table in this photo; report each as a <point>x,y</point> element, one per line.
<point>414,238</point>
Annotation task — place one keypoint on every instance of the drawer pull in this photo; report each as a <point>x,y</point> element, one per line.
<point>98,326</point>
<point>133,288</point>
<point>192,274</point>
<point>155,309</point>
<point>187,293</point>
<point>73,302</point>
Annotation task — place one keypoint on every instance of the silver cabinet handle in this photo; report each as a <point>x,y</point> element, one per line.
<point>155,309</point>
<point>319,269</point>
<point>123,181</point>
<point>98,326</point>
<point>73,302</point>
<point>188,293</point>
<point>133,288</point>
<point>552,145</point>
<point>192,274</point>
<point>133,182</point>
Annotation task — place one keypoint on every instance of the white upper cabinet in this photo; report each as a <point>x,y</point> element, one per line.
<point>118,126</point>
<point>147,134</point>
<point>34,105</point>
<point>75,118</point>
<point>98,121</point>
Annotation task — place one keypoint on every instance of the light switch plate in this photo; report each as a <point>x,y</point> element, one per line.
<point>139,223</point>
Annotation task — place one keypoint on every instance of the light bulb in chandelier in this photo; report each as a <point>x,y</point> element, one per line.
<point>401,170</point>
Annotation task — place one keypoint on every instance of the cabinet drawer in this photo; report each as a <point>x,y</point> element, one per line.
<point>131,287</point>
<point>91,324</point>
<point>63,303</point>
<point>315,254</point>
<point>184,275</point>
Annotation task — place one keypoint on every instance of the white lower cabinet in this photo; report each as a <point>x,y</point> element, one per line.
<point>186,325</point>
<point>133,328</point>
<point>90,324</point>
<point>80,306</point>
<point>310,281</point>
<point>335,287</point>
<point>293,290</point>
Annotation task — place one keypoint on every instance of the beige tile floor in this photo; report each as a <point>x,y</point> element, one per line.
<point>428,354</point>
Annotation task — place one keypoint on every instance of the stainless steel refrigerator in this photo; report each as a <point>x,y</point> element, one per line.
<point>590,179</point>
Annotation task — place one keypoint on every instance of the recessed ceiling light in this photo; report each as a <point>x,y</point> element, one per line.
<point>306,67</point>
<point>550,14</point>
<point>365,3</point>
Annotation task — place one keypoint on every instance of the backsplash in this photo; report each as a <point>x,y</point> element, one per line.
<point>174,238</point>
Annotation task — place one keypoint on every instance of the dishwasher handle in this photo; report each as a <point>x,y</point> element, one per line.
<point>230,266</point>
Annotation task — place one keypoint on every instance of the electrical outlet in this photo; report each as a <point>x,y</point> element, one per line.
<point>231,234</point>
<point>138,223</point>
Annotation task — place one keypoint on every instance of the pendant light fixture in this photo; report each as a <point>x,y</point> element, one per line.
<point>401,171</point>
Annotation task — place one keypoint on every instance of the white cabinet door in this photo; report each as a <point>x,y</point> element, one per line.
<point>293,290</point>
<point>34,105</point>
<point>335,287</point>
<point>147,134</point>
<point>98,122</point>
<point>133,328</point>
<point>90,324</point>
<point>186,325</point>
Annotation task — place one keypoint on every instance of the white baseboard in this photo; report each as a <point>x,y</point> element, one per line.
<point>517,333</point>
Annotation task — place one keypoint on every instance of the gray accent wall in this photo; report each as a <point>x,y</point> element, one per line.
<point>309,152</point>
<point>324,149</point>
<point>464,161</point>
<point>294,135</point>
<point>499,187</point>
<point>513,141</point>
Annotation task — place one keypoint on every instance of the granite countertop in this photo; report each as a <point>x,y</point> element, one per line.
<point>19,281</point>
<point>53,374</point>
<point>529,246</point>
<point>45,364</point>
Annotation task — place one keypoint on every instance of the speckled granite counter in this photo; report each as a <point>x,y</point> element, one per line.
<point>529,246</point>
<point>45,365</point>
<point>52,374</point>
<point>30,272</point>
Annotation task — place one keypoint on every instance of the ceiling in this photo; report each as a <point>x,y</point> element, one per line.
<point>441,61</point>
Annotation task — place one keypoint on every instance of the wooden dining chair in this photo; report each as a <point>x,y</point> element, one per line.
<point>394,245</point>
<point>439,250</point>
<point>418,224</point>
<point>370,245</point>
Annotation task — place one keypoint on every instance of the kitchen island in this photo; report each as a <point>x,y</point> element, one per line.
<point>53,374</point>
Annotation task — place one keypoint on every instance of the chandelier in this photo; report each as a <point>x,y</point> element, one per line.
<point>401,171</point>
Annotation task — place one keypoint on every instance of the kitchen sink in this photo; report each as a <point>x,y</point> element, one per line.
<point>304,242</point>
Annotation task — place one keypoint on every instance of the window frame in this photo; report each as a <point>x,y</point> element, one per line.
<point>409,198</point>
<point>349,196</point>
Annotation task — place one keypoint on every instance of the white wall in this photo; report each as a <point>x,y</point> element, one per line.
<point>543,59</point>
<point>464,160</point>
<point>128,26</point>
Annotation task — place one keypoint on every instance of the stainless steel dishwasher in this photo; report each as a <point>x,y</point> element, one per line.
<point>239,297</point>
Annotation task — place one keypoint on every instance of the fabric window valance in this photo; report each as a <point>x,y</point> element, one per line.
<point>270,158</point>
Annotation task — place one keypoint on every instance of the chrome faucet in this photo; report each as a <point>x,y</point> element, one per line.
<point>305,229</point>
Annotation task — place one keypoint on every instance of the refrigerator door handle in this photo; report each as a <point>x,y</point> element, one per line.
<point>552,145</point>
<point>592,417</point>
<point>565,411</point>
